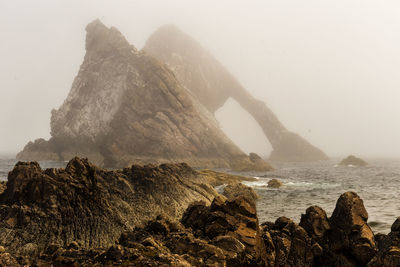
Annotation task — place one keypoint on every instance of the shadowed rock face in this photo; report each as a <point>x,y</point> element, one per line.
<point>212,84</point>
<point>90,205</point>
<point>125,106</point>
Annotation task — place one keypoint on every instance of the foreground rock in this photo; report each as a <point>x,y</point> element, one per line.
<point>126,107</point>
<point>89,205</point>
<point>232,191</point>
<point>223,234</point>
<point>212,85</point>
<point>353,161</point>
<point>140,216</point>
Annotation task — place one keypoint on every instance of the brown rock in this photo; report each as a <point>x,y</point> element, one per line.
<point>316,223</point>
<point>274,183</point>
<point>90,206</point>
<point>233,191</point>
<point>350,233</point>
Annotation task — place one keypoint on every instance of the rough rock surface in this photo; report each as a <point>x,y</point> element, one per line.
<point>350,234</point>
<point>212,84</point>
<point>125,106</point>
<point>232,191</point>
<point>354,161</point>
<point>229,223</point>
<point>89,205</point>
<point>216,178</point>
<point>274,183</point>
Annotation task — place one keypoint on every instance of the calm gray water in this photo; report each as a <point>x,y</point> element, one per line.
<point>318,183</point>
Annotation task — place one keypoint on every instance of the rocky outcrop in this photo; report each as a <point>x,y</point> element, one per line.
<point>274,183</point>
<point>353,161</point>
<point>89,205</point>
<point>212,84</point>
<point>126,107</point>
<point>344,239</point>
<point>216,178</point>
<point>232,191</point>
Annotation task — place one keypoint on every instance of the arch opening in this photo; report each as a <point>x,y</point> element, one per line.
<point>242,128</point>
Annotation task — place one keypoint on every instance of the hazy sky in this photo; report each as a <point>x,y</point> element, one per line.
<point>328,69</point>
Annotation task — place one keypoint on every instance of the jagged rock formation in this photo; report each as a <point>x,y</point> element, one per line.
<point>86,216</point>
<point>353,161</point>
<point>125,106</point>
<point>89,205</point>
<point>212,84</point>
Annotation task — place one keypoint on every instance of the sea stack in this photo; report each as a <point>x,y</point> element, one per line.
<point>125,106</point>
<point>212,85</point>
<point>353,161</point>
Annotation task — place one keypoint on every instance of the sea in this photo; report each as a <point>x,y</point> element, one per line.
<point>314,183</point>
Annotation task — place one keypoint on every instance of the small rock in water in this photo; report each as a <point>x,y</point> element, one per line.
<point>353,161</point>
<point>274,183</point>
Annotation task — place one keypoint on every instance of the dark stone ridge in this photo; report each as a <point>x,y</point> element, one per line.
<point>125,106</point>
<point>353,160</point>
<point>212,85</point>
<point>89,205</point>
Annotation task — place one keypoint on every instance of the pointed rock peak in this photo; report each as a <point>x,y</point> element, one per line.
<point>80,166</point>
<point>100,38</point>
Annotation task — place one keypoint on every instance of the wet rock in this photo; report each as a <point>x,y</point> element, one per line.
<point>239,189</point>
<point>353,161</point>
<point>274,183</point>
<point>350,234</point>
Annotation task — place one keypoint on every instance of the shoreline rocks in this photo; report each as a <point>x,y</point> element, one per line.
<point>168,215</point>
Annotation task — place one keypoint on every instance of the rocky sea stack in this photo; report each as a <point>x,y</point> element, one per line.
<point>125,106</point>
<point>156,105</point>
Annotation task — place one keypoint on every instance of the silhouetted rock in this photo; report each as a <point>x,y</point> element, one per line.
<point>212,85</point>
<point>125,106</point>
<point>353,161</point>
<point>274,183</point>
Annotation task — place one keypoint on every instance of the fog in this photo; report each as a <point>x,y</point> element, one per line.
<point>328,69</point>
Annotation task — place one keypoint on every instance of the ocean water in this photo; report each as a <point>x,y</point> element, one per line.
<point>322,183</point>
<point>317,183</point>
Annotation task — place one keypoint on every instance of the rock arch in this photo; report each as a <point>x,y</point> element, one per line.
<point>212,85</point>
